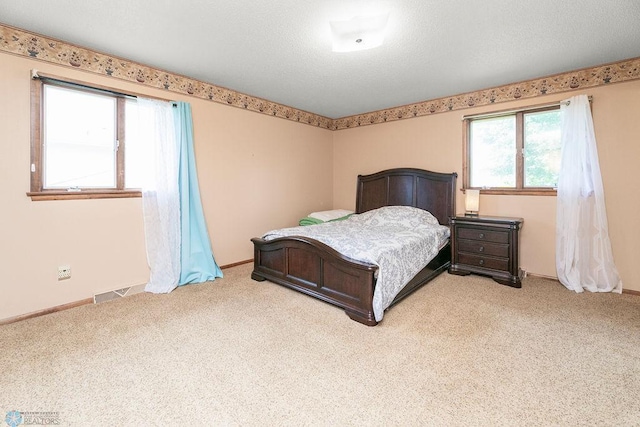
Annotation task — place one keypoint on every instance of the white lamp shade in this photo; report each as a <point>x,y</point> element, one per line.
<point>358,33</point>
<point>472,200</point>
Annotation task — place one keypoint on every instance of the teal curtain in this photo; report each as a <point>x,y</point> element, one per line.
<point>196,256</point>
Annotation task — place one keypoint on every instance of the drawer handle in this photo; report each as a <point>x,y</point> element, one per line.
<point>481,235</point>
<point>481,249</point>
<point>481,262</point>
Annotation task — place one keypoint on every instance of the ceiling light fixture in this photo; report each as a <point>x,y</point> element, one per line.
<point>358,33</point>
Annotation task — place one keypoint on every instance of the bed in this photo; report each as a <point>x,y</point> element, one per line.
<point>312,267</point>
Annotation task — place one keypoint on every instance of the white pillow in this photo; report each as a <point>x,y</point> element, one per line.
<point>329,215</point>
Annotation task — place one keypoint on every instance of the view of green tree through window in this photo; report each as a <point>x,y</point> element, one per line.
<point>542,148</point>
<point>493,152</point>
<point>516,151</point>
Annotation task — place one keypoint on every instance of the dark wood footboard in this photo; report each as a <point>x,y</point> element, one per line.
<point>315,269</point>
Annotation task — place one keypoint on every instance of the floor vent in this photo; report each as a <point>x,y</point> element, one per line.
<point>118,293</point>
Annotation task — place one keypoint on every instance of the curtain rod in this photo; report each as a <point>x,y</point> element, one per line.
<point>517,110</point>
<point>568,101</point>
<point>74,84</point>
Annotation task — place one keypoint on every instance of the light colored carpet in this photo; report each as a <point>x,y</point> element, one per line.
<point>460,351</point>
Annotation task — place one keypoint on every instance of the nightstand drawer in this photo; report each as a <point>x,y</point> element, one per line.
<point>483,248</point>
<point>485,235</point>
<point>484,262</point>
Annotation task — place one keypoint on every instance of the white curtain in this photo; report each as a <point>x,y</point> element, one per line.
<point>584,259</point>
<point>155,135</point>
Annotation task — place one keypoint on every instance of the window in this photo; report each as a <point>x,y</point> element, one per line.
<point>513,152</point>
<point>78,140</point>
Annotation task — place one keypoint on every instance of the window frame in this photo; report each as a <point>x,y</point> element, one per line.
<point>37,190</point>
<point>519,189</point>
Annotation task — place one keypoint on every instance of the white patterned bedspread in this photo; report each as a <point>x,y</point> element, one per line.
<point>400,240</point>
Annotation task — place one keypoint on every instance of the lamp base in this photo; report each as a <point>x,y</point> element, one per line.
<point>471,213</point>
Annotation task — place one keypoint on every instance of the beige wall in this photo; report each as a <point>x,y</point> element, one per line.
<point>256,172</point>
<point>435,142</point>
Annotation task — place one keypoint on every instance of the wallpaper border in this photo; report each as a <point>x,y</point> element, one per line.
<point>36,46</point>
<point>43,48</point>
<point>615,72</point>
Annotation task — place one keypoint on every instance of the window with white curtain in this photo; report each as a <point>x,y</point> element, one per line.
<point>513,152</point>
<point>79,144</point>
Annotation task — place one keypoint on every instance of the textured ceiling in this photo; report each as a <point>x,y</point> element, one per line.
<point>281,50</point>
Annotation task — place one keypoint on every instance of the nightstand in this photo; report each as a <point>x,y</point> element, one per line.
<point>486,245</point>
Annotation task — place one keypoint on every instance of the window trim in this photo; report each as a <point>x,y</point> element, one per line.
<point>37,192</point>
<point>466,161</point>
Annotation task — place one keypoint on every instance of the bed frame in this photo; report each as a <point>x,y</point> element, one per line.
<point>315,269</point>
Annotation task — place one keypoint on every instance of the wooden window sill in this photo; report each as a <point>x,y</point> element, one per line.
<point>86,194</point>
<point>516,192</point>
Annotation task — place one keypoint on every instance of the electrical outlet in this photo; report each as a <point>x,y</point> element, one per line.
<point>64,272</point>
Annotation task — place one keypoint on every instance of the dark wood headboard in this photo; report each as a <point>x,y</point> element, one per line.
<point>431,191</point>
